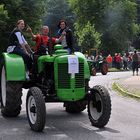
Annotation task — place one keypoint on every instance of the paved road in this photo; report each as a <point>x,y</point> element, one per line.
<point>124,122</point>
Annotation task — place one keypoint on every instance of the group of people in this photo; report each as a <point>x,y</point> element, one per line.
<point>18,44</point>
<point>128,61</point>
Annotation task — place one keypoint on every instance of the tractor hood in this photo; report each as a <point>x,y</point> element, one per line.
<point>64,58</point>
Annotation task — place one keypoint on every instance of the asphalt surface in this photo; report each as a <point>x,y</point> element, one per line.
<point>124,123</point>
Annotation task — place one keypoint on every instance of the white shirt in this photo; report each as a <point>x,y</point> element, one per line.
<point>63,42</point>
<point>21,41</point>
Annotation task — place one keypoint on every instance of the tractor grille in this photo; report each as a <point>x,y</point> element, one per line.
<point>64,78</point>
<point>79,77</point>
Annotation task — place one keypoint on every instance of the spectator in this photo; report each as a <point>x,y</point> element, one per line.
<point>114,60</point>
<point>125,62</point>
<point>130,61</point>
<point>135,59</point>
<point>109,60</point>
<point>118,61</point>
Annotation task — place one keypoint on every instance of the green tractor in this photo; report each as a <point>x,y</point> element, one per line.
<point>59,77</point>
<point>98,66</point>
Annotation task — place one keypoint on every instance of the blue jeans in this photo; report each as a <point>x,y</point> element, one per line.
<point>27,59</point>
<point>68,50</point>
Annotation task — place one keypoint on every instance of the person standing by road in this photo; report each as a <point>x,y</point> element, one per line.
<point>125,61</point>
<point>135,59</point>
<point>18,44</point>
<point>109,60</point>
<point>67,41</point>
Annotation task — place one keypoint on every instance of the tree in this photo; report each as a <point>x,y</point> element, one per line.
<point>114,19</point>
<point>120,27</point>
<point>89,10</point>
<point>88,37</point>
<point>3,22</point>
<point>29,10</point>
<point>57,10</point>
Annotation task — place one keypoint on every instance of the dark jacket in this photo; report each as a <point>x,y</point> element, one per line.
<point>69,37</point>
<point>13,40</point>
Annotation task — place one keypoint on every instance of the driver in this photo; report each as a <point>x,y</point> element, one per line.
<point>42,40</point>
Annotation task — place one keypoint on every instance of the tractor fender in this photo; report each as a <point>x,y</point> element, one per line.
<point>14,66</point>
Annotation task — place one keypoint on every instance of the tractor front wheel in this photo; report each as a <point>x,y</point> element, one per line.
<point>36,110</point>
<point>99,106</point>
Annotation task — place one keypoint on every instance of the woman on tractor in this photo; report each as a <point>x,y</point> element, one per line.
<point>67,41</point>
<point>18,44</point>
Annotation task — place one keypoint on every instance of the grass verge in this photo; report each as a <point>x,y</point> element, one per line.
<point>124,91</point>
<point>115,70</point>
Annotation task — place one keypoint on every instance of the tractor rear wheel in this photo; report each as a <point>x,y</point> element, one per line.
<point>11,93</point>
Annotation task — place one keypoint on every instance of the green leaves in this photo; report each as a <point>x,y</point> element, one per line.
<point>31,11</point>
<point>57,10</point>
<point>3,23</point>
<point>88,37</point>
<point>3,17</point>
<point>115,20</point>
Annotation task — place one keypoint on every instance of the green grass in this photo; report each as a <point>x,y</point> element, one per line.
<point>115,70</point>
<point>116,88</point>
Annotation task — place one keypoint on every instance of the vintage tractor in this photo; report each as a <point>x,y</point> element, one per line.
<point>59,77</point>
<point>98,66</point>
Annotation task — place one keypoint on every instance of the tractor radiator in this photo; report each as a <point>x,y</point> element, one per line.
<point>64,78</point>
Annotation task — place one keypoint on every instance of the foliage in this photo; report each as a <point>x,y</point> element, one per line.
<point>88,37</point>
<point>114,19</point>
<point>89,10</point>
<point>111,21</point>
<point>57,10</point>
<point>119,26</point>
<point>29,10</point>
<point>3,22</point>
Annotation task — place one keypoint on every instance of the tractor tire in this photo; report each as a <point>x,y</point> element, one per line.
<point>36,109</point>
<point>11,93</point>
<point>99,106</point>
<point>104,69</point>
<point>93,72</point>
<point>75,107</point>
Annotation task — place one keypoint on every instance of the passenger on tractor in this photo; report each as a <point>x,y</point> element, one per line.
<point>43,41</point>
<point>99,57</point>
<point>67,41</point>
<point>44,44</point>
<point>18,44</point>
